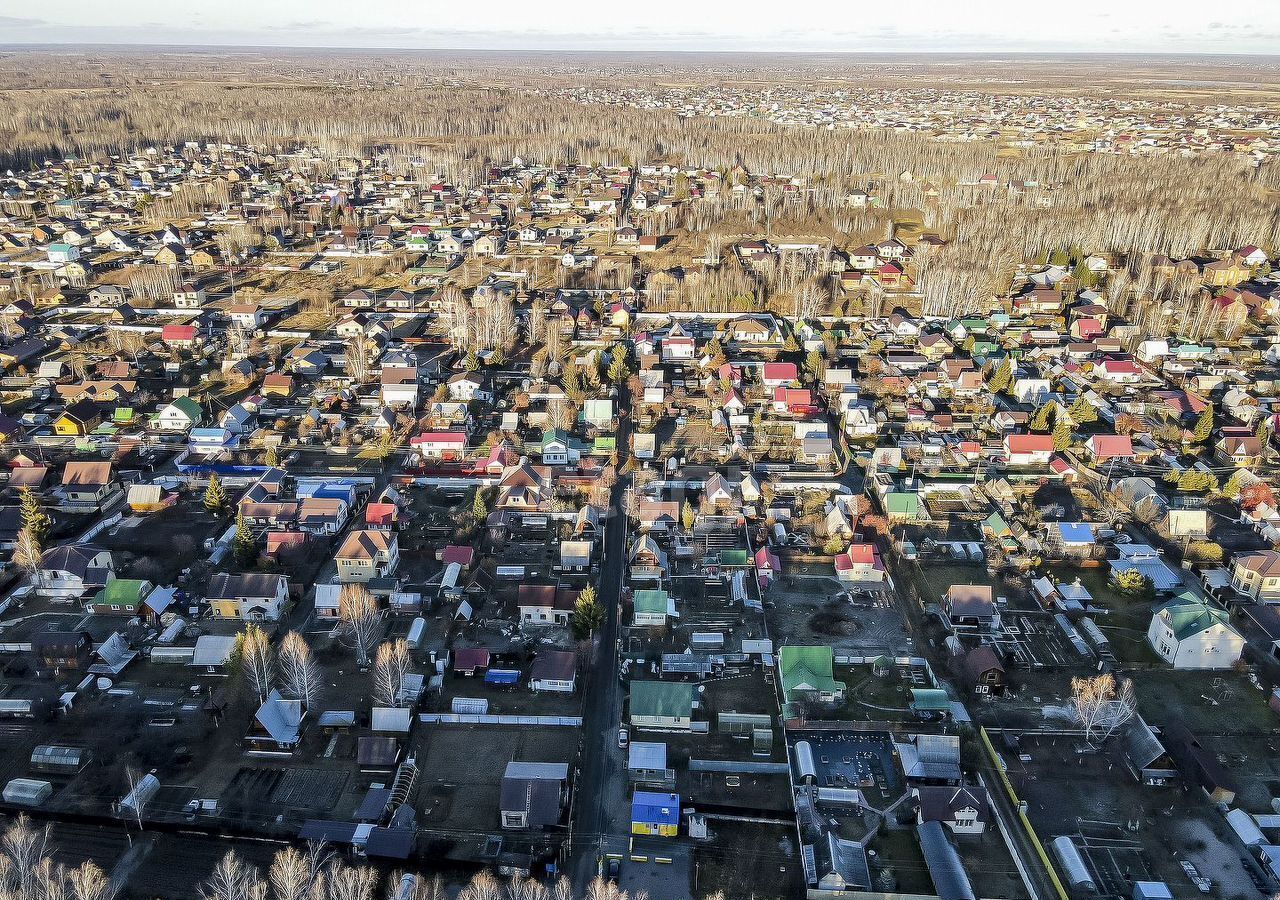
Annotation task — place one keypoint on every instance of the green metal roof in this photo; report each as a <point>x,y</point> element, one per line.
<point>651,601</point>
<point>1189,615</point>
<point>188,406</point>
<point>898,503</point>
<point>733,557</point>
<point>121,592</point>
<point>807,668</point>
<point>665,699</point>
<point>930,700</point>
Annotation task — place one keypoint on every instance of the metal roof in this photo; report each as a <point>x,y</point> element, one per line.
<point>950,881</point>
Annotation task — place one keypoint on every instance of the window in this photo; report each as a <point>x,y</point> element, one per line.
<point>115,607</point>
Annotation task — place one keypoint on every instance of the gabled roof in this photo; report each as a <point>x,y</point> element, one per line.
<point>280,718</point>
<point>808,668</point>
<point>666,699</point>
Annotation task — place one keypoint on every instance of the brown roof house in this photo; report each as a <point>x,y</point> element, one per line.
<point>366,555</point>
<point>87,482</point>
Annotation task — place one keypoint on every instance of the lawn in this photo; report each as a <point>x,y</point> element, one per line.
<point>1214,702</point>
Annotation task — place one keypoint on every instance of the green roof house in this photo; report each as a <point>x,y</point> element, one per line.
<point>651,608</point>
<point>121,597</point>
<point>1190,633</point>
<point>182,414</point>
<point>734,559</point>
<point>902,507</point>
<point>661,704</point>
<point>807,674</point>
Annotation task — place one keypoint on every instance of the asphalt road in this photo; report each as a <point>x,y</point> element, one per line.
<point>602,707</point>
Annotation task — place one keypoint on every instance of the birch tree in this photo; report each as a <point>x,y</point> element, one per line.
<point>233,879</point>
<point>257,660</point>
<point>27,554</point>
<point>1102,705</point>
<point>359,620</point>
<point>300,674</point>
<point>295,874</point>
<point>391,665</point>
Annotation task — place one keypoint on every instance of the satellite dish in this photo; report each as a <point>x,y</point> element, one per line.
<point>104,684</point>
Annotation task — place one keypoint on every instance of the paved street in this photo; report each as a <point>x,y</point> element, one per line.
<point>601,790</point>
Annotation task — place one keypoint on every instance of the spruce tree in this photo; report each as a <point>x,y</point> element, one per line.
<point>215,496</point>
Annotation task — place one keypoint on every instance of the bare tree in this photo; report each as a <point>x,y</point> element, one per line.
<point>300,674</point>
<point>295,875</point>
<point>346,882</point>
<point>359,620</point>
<point>391,665</point>
<point>134,778</point>
<point>258,660</point>
<point>357,359</point>
<point>27,554</point>
<point>28,873</point>
<point>233,879</point>
<point>1102,705</point>
<point>405,886</point>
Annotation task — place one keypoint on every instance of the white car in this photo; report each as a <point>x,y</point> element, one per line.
<point>624,738</point>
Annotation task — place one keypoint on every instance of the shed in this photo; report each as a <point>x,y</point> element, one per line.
<point>1245,828</point>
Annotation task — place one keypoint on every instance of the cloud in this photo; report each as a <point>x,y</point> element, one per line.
<point>19,22</point>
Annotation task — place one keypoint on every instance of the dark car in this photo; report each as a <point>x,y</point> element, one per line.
<point>613,870</point>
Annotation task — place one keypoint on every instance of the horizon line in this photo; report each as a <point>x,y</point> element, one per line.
<point>20,46</point>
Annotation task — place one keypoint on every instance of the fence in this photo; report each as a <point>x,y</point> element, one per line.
<point>476,719</point>
<point>1017,805</point>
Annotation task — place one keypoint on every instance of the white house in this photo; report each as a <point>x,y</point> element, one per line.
<point>182,414</point>
<point>73,569</point>
<point>247,315</point>
<point>252,596</point>
<point>400,386</point>
<point>1189,633</point>
<point>440,444</point>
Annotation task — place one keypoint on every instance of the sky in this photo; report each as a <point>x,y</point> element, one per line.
<point>1147,26</point>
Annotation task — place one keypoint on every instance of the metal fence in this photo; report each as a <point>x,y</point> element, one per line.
<point>475,719</point>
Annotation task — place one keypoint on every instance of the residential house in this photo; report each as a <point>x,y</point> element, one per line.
<point>533,795</point>
<point>652,608</point>
<point>860,563</point>
<point>662,704</point>
<point>1029,449</point>
<point>87,482</point>
<point>1256,575</point>
<point>367,554</point>
<point>970,608</point>
<point>322,515</point>
<point>545,604</point>
<point>983,672</point>
<point>1190,633</point>
<point>72,570</point>
<point>251,596</point>
<point>182,415</point>
<point>120,597</point>
<point>807,674</point>
<point>554,671</point>
<point>963,810</point>
<point>655,814</point>
<point>400,386</point>
<point>276,726</point>
<point>78,419</point>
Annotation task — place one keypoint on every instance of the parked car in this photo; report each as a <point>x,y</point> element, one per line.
<point>624,738</point>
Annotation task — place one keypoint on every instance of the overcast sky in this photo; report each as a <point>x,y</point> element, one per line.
<point>1180,26</point>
